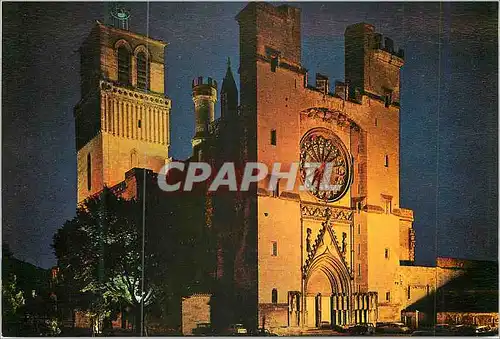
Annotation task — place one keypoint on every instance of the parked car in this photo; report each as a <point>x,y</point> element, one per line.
<point>443,330</point>
<point>424,333</point>
<point>442,327</point>
<point>393,328</point>
<point>484,330</point>
<point>463,330</point>
<point>362,329</point>
<point>203,329</point>
<point>236,329</point>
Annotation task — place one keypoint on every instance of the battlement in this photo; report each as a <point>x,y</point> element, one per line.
<point>204,87</point>
<point>372,39</point>
<point>322,83</point>
<point>372,64</point>
<point>200,81</point>
<point>387,46</point>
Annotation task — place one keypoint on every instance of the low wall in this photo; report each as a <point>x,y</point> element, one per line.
<point>273,315</point>
<point>195,309</point>
<point>450,318</point>
<point>468,318</point>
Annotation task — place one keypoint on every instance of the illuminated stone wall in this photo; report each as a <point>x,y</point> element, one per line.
<point>195,310</point>
<point>362,252</point>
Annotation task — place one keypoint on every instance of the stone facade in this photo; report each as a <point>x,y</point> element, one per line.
<point>119,124</point>
<point>285,257</point>
<point>341,258</point>
<point>350,248</point>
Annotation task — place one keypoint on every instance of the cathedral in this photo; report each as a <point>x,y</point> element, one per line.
<point>285,257</point>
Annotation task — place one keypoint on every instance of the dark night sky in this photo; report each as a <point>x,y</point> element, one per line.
<point>448,117</point>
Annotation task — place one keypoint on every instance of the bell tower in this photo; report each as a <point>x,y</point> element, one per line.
<point>123,117</point>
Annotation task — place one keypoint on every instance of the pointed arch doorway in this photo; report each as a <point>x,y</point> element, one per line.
<point>327,292</point>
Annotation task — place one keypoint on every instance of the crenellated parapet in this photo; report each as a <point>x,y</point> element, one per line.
<point>372,64</point>
<point>204,98</point>
<point>204,86</point>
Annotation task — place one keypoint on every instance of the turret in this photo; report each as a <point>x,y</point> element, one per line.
<point>204,98</point>
<point>372,67</point>
<point>228,94</point>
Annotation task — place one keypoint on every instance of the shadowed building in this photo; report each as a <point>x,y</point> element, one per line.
<point>469,298</point>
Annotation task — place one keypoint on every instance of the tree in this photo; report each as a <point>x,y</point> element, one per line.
<point>99,255</point>
<point>12,296</point>
<point>12,303</point>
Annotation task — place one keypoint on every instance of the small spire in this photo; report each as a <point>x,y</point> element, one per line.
<point>229,91</point>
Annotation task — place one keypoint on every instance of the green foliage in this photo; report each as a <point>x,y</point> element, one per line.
<point>53,327</point>
<point>12,298</point>
<point>12,305</point>
<point>100,254</point>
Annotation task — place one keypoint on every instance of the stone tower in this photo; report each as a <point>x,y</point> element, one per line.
<point>122,119</point>
<point>204,98</point>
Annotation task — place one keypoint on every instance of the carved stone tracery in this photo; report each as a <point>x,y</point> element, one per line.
<point>328,214</point>
<point>331,179</point>
<point>321,212</point>
<point>326,226</point>
<point>330,116</point>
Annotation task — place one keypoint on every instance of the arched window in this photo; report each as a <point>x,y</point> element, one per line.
<point>274,296</point>
<point>142,71</point>
<point>123,65</point>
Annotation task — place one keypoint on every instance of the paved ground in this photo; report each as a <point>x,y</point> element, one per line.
<point>308,332</point>
<point>324,332</point>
